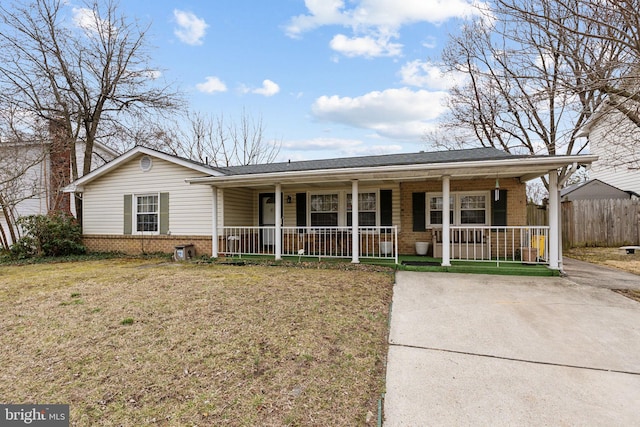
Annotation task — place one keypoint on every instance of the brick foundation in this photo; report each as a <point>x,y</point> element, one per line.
<point>134,244</point>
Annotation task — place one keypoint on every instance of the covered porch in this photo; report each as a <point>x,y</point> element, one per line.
<point>492,244</point>
<point>358,231</point>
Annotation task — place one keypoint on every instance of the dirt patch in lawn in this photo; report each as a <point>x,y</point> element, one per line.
<point>137,342</point>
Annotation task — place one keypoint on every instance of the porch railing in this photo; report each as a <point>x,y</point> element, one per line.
<point>321,242</point>
<point>502,244</point>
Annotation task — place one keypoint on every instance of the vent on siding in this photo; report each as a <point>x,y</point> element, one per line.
<point>145,163</point>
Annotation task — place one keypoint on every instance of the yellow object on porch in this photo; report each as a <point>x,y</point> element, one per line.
<point>538,243</point>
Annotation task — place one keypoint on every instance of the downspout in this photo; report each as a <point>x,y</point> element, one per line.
<point>446,230</point>
<point>214,222</point>
<point>355,241</point>
<point>278,196</point>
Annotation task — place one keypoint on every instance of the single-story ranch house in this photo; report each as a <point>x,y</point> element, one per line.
<point>360,207</point>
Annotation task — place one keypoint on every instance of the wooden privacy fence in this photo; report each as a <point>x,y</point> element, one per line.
<point>612,222</point>
<point>537,215</point>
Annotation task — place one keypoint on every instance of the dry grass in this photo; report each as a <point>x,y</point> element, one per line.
<point>611,257</point>
<point>133,342</point>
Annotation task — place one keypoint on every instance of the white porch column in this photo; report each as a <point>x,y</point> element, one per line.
<point>214,222</point>
<point>355,241</point>
<point>446,230</point>
<point>560,253</point>
<point>554,221</point>
<point>278,222</point>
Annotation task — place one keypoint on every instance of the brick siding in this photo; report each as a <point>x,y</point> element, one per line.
<point>516,205</point>
<point>135,244</point>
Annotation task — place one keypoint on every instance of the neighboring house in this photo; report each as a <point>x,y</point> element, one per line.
<point>373,206</point>
<point>616,141</point>
<point>44,170</point>
<point>594,189</point>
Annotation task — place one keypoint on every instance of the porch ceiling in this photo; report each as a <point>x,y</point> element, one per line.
<point>524,168</point>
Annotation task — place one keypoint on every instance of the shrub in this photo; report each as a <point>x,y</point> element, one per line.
<point>56,234</point>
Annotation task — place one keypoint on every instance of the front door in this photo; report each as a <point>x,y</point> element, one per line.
<point>268,218</point>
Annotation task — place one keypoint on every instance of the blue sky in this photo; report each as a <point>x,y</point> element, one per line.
<point>330,78</point>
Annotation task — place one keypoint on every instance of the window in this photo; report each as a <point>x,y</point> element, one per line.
<point>146,215</point>
<point>367,207</point>
<point>435,209</point>
<point>473,209</point>
<point>324,210</point>
<point>464,209</point>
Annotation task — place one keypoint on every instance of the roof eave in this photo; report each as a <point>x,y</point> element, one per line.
<point>535,167</point>
<point>78,184</point>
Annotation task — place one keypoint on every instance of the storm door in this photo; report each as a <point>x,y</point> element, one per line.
<point>267,219</point>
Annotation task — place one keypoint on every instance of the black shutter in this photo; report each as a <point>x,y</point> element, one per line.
<point>386,208</point>
<point>499,208</point>
<point>301,209</point>
<point>419,211</point>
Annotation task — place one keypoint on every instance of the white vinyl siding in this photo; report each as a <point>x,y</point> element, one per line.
<point>189,210</point>
<point>238,207</point>
<point>617,146</point>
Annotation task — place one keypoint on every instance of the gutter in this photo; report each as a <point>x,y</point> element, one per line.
<point>541,165</point>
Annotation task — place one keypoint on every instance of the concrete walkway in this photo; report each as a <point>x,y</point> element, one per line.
<point>504,350</point>
<point>599,276</point>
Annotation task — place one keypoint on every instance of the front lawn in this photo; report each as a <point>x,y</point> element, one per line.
<point>145,342</point>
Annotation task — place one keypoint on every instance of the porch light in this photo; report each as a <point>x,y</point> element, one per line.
<point>289,199</point>
<point>497,190</point>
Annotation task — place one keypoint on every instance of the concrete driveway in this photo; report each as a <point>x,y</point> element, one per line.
<point>503,350</point>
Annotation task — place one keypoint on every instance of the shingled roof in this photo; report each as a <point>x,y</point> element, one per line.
<point>370,161</point>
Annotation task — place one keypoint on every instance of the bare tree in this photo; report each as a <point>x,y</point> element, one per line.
<point>520,93</point>
<point>611,30</point>
<point>86,72</point>
<point>221,142</point>
<point>608,67</point>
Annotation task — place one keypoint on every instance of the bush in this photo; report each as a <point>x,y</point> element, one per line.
<point>57,234</point>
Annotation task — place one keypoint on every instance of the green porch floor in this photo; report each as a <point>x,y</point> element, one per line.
<point>407,263</point>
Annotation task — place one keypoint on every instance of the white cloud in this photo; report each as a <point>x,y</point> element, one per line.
<point>394,113</point>
<point>367,46</point>
<point>153,74</point>
<point>430,42</point>
<point>146,74</point>
<point>315,144</point>
<point>429,75</point>
<point>318,148</point>
<point>380,13</point>
<point>374,20</point>
<point>212,85</point>
<point>268,88</point>
<point>321,12</point>
<point>83,17</point>
<point>191,29</point>
<point>87,20</point>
